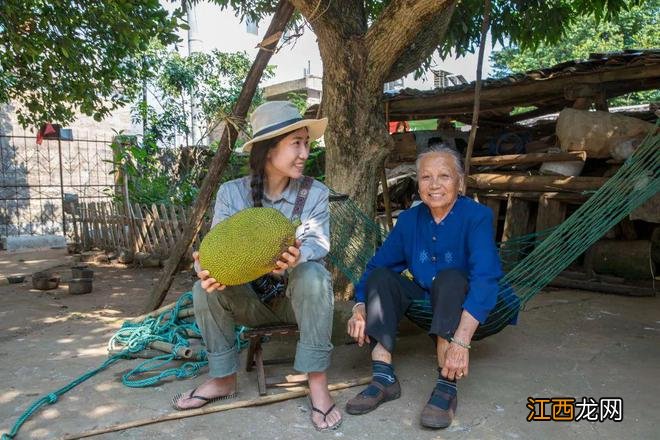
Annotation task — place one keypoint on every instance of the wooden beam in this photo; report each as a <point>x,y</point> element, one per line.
<point>210,184</point>
<point>613,81</point>
<point>506,182</point>
<point>518,159</point>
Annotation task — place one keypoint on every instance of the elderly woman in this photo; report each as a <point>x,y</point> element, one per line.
<point>447,243</point>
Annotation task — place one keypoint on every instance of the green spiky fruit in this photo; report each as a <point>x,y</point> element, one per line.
<point>246,245</point>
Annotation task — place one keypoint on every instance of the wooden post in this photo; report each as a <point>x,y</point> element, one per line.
<point>494,205</point>
<point>477,92</point>
<point>515,225</point>
<point>386,198</point>
<point>551,213</point>
<point>218,164</point>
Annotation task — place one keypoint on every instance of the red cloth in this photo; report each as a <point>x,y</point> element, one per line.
<point>395,125</point>
<point>45,131</point>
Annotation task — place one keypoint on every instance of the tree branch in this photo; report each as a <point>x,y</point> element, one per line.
<point>394,41</point>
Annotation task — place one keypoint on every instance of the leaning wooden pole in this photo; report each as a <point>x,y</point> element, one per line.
<point>221,158</point>
<point>477,91</point>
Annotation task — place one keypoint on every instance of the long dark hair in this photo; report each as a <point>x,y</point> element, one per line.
<point>258,159</point>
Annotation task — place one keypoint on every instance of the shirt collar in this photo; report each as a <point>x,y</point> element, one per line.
<point>290,193</point>
<point>427,211</point>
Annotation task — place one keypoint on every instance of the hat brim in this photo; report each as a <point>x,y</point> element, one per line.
<point>315,128</point>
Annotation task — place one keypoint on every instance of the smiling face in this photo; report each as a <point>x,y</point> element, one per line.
<point>439,182</point>
<point>287,159</point>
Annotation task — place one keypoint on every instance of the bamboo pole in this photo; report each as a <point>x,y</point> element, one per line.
<point>279,21</point>
<point>506,182</point>
<point>477,92</point>
<point>519,159</point>
<point>209,409</point>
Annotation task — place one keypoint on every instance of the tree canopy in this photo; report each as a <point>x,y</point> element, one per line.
<point>214,80</point>
<point>527,24</point>
<point>637,27</point>
<point>60,56</point>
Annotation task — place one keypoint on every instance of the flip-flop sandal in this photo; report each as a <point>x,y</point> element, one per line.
<point>325,415</point>
<point>205,400</point>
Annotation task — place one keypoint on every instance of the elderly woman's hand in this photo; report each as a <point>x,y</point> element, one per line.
<point>357,325</point>
<point>456,363</point>
<point>288,259</point>
<point>209,284</point>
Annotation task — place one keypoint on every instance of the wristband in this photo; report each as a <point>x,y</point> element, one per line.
<point>461,343</point>
<point>356,304</point>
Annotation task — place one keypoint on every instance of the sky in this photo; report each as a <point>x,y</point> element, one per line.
<point>222,30</point>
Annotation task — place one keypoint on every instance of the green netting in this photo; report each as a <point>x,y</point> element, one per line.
<point>544,255</point>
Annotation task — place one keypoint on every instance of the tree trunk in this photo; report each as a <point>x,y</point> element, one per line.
<point>358,57</point>
<point>357,141</point>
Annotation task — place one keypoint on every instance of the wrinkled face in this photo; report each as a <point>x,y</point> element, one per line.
<point>438,181</point>
<point>288,158</point>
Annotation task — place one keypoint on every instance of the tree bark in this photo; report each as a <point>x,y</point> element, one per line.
<point>219,162</point>
<point>357,60</point>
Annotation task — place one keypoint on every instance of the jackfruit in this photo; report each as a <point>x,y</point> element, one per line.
<point>246,245</point>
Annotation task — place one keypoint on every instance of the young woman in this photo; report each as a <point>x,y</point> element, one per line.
<point>278,151</point>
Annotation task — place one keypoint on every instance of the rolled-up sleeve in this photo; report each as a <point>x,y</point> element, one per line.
<point>484,267</point>
<point>314,232</point>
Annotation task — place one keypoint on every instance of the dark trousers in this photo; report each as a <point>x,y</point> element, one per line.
<point>389,295</point>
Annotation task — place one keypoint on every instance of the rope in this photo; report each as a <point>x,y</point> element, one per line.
<point>133,338</point>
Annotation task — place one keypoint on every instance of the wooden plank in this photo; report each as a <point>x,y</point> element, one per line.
<point>158,227</point>
<point>136,218</point>
<point>507,182</point>
<point>551,213</point>
<point>95,242</point>
<point>516,223</point>
<point>167,226</point>
<point>152,229</point>
<point>119,211</point>
<point>112,225</point>
<point>144,231</point>
<point>84,226</point>
<point>175,222</point>
<point>494,205</point>
<point>518,159</point>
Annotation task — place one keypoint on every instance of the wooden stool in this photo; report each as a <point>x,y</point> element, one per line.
<point>255,357</point>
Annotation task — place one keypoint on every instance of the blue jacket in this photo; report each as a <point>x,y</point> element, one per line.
<point>464,240</point>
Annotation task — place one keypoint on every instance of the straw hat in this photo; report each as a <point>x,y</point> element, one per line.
<point>278,117</point>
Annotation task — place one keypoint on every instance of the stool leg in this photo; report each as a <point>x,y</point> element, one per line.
<point>261,374</point>
<point>249,363</point>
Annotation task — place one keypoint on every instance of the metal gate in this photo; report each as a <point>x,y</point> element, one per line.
<point>36,179</point>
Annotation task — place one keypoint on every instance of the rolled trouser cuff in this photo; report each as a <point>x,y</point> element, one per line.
<point>311,359</point>
<point>224,363</point>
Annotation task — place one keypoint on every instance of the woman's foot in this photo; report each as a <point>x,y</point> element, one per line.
<point>216,388</point>
<point>325,415</point>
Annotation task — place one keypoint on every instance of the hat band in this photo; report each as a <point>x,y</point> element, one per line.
<point>276,127</point>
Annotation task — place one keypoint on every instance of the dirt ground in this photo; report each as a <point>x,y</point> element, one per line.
<point>567,344</point>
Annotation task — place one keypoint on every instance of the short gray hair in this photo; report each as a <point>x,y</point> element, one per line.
<point>442,148</point>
